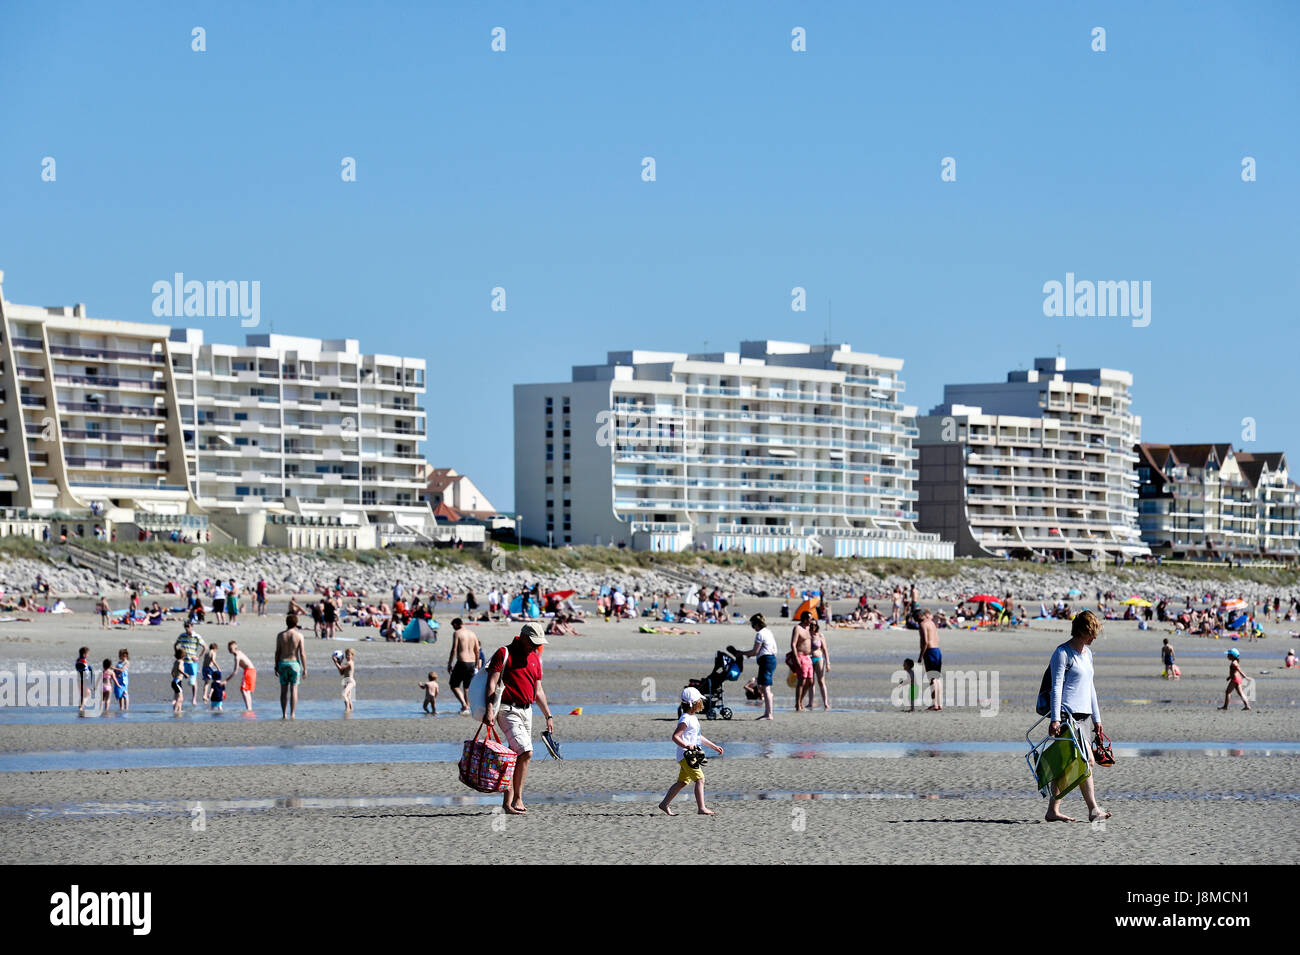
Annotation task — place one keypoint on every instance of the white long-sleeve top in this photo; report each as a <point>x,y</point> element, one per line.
<point>1072,684</point>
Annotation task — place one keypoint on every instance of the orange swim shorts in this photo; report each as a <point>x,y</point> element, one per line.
<point>250,680</point>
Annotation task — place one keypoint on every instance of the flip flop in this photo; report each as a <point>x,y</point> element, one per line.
<point>552,746</point>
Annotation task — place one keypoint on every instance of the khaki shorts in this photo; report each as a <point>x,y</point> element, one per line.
<point>689,774</point>
<point>516,726</point>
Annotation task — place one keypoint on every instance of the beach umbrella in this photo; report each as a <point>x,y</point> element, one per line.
<point>1236,603</point>
<point>560,594</point>
<point>983,599</point>
<point>1073,592</point>
<point>810,605</point>
<point>1136,601</point>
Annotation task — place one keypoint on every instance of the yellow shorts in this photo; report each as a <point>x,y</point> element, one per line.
<point>689,774</point>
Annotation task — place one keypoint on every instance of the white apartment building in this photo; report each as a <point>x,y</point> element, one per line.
<point>1041,464</point>
<point>1209,502</point>
<point>147,425</point>
<point>776,447</point>
<point>302,424</point>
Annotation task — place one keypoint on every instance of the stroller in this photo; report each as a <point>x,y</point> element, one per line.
<point>727,666</point>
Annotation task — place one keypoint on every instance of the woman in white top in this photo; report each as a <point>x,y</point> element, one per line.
<point>1074,692</point>
<point>764,650</point>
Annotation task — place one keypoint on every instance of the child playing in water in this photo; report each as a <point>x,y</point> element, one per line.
<point>123,668</point>
<point>430,694</point>
<point>347,667</point>
<point>178,680</point>
<point>217,692</point>
<point>1235,678</point>
<point>1167,656</point>
<point>909,667</point>
<point>109,685</point>
<point>85,673</point>
<point>688,738</point>
<point>209,668</point>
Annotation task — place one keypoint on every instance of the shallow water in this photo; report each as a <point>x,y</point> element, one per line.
<point>337,754</point>
<point>171,807</point>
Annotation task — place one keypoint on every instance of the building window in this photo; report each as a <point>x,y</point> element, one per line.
<point>550,456</point>
<point>549,479</point>
<point>566,479</point>
<point>568,539</point>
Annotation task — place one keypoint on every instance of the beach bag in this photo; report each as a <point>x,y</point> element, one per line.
<point>487,766</point>
<point>1044,704</point>
<point>1061,765</point>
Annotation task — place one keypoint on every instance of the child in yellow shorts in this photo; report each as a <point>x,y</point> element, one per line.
<point>687,737</point>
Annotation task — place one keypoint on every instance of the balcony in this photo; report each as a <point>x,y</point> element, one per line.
<point>108,354</point>
<point>103,381</point>
<point>95,408</point>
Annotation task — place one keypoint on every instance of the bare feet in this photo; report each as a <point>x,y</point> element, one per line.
<point>1223,707</point>
<point>664,808</point>
<point>519,808</point>
<point>1098,813</point>
<point>707,812</point>
<point>763,717</point>
<point>511,810</point>
<point>1058,817</point>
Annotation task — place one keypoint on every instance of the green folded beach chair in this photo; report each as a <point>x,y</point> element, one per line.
<point>1059,763</point>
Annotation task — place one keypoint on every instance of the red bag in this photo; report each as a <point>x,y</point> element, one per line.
<point>488,766</point>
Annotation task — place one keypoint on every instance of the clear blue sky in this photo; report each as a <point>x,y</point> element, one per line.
<point>775,169</point>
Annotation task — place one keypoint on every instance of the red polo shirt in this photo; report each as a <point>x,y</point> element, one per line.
<point>522,674</point>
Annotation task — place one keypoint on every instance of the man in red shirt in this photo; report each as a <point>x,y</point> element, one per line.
<point>517,670</point>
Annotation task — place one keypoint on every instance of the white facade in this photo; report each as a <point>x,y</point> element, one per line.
<point>1039,464</point>
<point>148,425</point>
<point>303,424</point>
<point>1209,502</point>
<point>777,447</point>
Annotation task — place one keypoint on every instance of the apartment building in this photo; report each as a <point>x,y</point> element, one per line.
<point>1041,464</point>
<point>149,426</point>
<point>776,447</point>
<point>301,424</point>
<point>1209,502</point>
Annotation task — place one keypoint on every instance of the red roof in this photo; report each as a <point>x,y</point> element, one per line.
<point>448,513</point>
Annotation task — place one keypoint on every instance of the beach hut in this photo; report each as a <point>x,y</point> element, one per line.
<point>420,630</point>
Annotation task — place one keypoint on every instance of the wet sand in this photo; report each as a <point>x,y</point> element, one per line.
<point>965,807</point>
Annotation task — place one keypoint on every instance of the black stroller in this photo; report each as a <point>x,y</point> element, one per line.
<point>727,666</point>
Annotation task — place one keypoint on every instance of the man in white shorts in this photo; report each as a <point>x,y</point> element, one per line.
<point>517,669</point>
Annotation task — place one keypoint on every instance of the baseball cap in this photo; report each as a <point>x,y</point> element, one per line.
<point>533,632</point>
<point>691,696</point>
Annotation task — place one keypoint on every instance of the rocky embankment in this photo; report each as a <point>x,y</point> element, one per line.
<point>299,573</point>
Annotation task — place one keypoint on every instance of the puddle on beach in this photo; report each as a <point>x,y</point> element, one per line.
<point>174,807</point>
<point>340,754</point>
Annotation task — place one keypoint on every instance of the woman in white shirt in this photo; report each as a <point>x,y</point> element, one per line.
<point>764,650</point>
<point>1074,692</point>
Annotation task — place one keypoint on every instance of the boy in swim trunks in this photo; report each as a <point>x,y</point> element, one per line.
<point>931,656</point>
<point>217,694</point>
<point>249,682</point>
<point>209,668</point>
<point>290,665</point>
<point>178,680</point>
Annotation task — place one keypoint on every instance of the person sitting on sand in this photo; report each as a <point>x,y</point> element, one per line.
<point>1290,661</point>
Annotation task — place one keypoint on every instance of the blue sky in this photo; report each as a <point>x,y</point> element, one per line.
<point>774,169</point>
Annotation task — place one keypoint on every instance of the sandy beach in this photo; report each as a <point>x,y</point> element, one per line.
<point>862,782</point>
